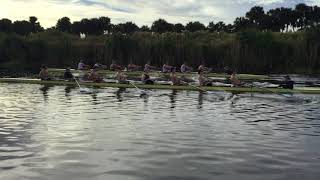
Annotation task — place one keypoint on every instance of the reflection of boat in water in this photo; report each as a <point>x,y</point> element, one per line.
<point>302,90</point>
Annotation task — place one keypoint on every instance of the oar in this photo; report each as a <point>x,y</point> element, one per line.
<point>142,91</point>
<point>282,95</point>
<point>77,82</point>
<point>194,86</point>
<point>269,90</point>
<point>82,90</point>
<point>203,90</point>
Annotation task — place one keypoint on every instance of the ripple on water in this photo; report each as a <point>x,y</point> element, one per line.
<point>58,133</point>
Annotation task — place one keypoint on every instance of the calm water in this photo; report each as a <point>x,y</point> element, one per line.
<point>57,133</point>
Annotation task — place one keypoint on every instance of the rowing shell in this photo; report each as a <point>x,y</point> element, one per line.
<point>137,73</point>
<point>303,90</point>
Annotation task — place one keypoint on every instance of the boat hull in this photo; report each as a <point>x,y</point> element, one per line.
<point>161,86</point>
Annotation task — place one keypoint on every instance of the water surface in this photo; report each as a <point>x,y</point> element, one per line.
<point>58,133</point>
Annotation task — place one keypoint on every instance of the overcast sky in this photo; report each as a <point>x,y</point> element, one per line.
<point>142,12</point>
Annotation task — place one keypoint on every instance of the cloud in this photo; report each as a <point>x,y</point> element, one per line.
<point>139,11</point>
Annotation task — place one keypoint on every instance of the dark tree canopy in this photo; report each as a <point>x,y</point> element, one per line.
<point>145,28</point>
<point>126,28</point>
<point>195,26</point>
<point>282,19</point>
<point>162,26</point>
<point>22,27</point>
<point>36,27</point>
<point>5,25</point>
<point>179,28</point>
<point>256,16</point>
<point>64,25</point>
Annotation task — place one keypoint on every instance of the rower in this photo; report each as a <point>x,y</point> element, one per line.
<point>146,78</point>
<point>203,81</point>
<point>185,68</point>
<point>203,68</point>
<point>115,67</point>
<point>173,77</point>
<point>82,66</point>
<point>167,68</point>
<point>133,67</point>
<point>94,76</point>
<point>67,74</point>
<point>234,80</point>
<point>99,66</point>
<point>121,77</point>
<point>148,67</point>
<point>287,83</point>
<point>44,74</point>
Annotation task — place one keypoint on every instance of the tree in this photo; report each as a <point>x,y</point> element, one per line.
<point>104,24</point>
<point>241,23</point>
<point>229,28</point>
<point>211,27</point>
<point>221,27</point>
<point>64,25</point>
<point>316,15</point>
<point>84,26</point>
<point>22,27</point>
<point>304,15</point>
<point>93,27</point>
<point>36,27</point>
<point>144,28</point>
<point>76,27</point>
<point>127,28</point>
<point>195,26</point>
<point>5,25</point>
<point>162,26</point>
<point>275,20</point>
<point>256,15</point>
<point>179,28</point>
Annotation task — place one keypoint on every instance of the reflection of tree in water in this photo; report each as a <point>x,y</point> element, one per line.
<point>45,89</point>
<point>119,94</point>
<point>173,97</point>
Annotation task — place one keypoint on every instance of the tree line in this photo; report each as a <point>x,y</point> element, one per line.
<point>276,20</point>
<point>252,47</point>
<point>246,51</point>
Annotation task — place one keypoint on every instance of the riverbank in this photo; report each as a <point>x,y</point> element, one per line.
<point>247,52</point>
